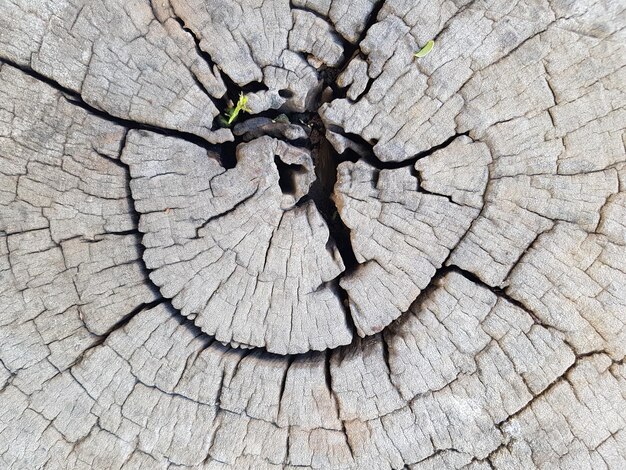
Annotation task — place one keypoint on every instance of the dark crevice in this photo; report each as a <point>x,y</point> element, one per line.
<point>418,304</point>
<point>287,173</point>
<point>421,189</point>
<point>327,373</point>
<point>366,90</point>
<point>526,250</point>
<point>129,195</point>
<point>75,99</point>
<point>133,231</point>
<point>283,382</point>
<point>250,87</point>
<point>223,213</point>
<point>295,118</point>
<point>342,294</point>
<point>115,161</point>
<point>385,348</point>
<point>498,291</point>
<point>436,283</point>
<point>341,235</point>
<point>328,76</point>
<point>135,218</point>
<point>348,443</point>
<point>121,323</point>
<point>326,160</point>
<point>370,157</point>
<point>561,378</point>
<point>227,153</point>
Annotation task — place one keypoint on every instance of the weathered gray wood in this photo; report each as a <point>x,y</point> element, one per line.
<point>401,263</point>
<point>400,237</point>
<point>229,247</point>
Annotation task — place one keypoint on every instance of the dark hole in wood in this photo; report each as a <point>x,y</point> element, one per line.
<point>228,154</point>
<point>287,173</point>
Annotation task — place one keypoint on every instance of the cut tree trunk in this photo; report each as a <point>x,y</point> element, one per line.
<point>384,262</point>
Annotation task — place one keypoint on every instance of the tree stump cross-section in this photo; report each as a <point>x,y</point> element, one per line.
<point>383,262</point>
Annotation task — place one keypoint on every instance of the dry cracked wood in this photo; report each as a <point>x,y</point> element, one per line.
<point>389,262</point>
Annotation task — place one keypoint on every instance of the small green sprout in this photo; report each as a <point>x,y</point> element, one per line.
<point>424,51</point>
<point>242,105</point>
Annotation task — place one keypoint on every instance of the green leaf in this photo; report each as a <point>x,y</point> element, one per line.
<point>242,105</point>
<point>424,51</point>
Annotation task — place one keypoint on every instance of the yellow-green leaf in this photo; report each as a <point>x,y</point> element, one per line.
<point>424,51</point>
<point>242,105</point>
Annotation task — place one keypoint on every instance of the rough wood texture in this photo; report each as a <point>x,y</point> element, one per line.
<point>389,263</point>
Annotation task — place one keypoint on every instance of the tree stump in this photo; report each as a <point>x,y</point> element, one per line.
<point>384,262</point>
